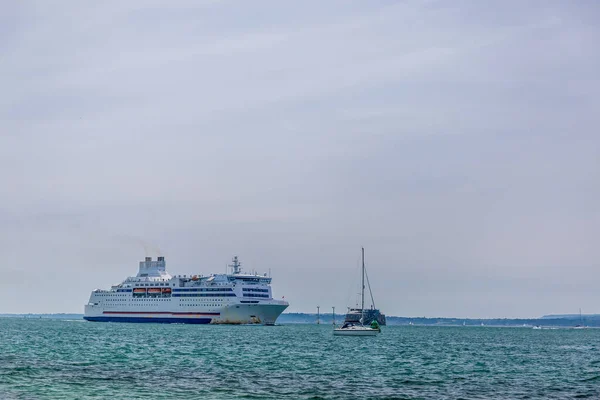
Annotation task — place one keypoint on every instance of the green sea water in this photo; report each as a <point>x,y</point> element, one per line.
<point>62,359</point>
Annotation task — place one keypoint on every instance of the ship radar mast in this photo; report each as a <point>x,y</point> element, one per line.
<point>237,266</point>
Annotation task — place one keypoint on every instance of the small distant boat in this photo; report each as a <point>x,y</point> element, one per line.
<point>357,328</point>
<point>581,325</point>
<point>537,327</point>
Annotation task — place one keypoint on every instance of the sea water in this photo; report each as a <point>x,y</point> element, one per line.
<point>61,359</point>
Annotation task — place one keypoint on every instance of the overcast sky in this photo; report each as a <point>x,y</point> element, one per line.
<point>458,141</point>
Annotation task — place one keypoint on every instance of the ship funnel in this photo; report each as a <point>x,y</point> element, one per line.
<point>149,268</point>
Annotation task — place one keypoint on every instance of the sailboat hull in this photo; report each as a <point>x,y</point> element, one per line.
<point>355,332</point>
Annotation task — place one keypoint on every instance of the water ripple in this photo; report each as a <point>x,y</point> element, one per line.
<point>45,359</point>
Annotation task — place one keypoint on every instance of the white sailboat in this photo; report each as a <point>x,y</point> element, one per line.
<point>358,329</point>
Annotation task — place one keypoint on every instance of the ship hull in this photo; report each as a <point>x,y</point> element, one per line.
<point>265,313</point>
<point>155,320</point>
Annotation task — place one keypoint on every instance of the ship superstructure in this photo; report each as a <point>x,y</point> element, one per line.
<point>368,315</point>
<point>153,295</point>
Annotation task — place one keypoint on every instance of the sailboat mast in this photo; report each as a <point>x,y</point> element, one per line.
<point>362,292</point>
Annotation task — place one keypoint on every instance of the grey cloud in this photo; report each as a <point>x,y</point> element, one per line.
<point>456,141</point>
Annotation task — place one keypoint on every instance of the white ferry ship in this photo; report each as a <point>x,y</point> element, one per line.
<point>155,296</point>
